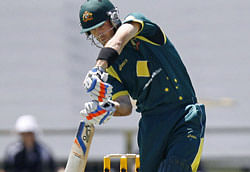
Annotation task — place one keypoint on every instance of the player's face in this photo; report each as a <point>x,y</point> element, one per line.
<point>103,33</point>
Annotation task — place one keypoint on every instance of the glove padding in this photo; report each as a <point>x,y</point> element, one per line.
<point>95,84</point>
<point>98,112</point>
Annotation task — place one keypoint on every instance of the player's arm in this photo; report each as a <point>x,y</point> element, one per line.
<point>95,77</point>
<point>122,36</point>
<point>124,33</point>
<point>123,106</point>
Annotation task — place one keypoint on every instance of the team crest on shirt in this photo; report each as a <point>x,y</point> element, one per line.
<point>87,16</point>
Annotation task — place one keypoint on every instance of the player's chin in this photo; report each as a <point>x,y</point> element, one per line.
<point>103,42</point>
<point>100,42</point>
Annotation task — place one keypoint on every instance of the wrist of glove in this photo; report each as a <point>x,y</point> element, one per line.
<point>95,84</point>
<point>98,112</point>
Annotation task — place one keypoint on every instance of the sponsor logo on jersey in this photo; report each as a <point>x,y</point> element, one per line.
<point>191,136</point>
<point>123,64</point>
<point>87,16</point>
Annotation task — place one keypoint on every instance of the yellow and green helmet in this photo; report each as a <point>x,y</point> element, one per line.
<point>94,13</point>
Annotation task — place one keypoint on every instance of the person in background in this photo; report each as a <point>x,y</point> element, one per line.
<point>28,154</point>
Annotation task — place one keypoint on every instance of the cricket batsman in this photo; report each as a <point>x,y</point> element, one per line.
<point>143,64</point>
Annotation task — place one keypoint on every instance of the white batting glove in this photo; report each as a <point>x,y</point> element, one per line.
<point>98,112</point>
<point>95,84</point>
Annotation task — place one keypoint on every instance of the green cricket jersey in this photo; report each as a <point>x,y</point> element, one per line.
<point>150,70</point>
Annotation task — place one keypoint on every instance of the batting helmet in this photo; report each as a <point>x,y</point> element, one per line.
<point>94,13</point>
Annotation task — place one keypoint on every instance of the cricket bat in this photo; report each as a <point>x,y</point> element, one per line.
<point>78,156</point>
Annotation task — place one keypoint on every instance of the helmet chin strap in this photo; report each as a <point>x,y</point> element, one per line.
<point>95,40</point>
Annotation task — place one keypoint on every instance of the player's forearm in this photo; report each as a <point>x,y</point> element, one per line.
<point>123,106</point>
<point>122,109</point>
<point>122,36</point>
<point>125,33</point>
<point>102,63</point>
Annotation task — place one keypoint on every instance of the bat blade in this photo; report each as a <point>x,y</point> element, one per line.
<point>78,156</point>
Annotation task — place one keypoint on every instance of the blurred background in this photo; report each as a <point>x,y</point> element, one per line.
<point>43,60</point>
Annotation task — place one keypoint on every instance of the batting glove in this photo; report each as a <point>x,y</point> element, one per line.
<point>98,112</point>
<point>95,84</point>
